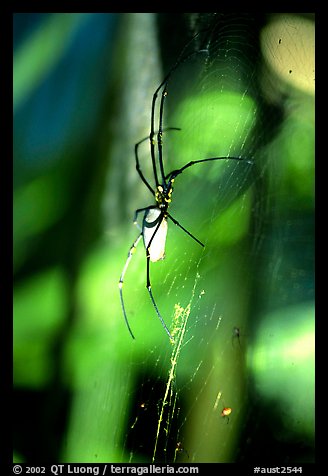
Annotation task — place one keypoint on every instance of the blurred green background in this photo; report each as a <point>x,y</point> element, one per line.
<point>84,391</point>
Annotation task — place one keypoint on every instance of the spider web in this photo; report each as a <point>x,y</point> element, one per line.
<point>181,389</point>
<point>191,383</point>
<point>171,395</point>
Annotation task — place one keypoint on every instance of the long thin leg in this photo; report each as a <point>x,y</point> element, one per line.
<point>141,175</point>
<point>171,176</point>
<point>153,301</point>
<point>163,85</point>
<point>136,147</point>
<point>151,136</point>
<point>160,133</point>
<point>184,229</point>
<point>121,281</point>
<point>148,285</point>
<point>176,172</point>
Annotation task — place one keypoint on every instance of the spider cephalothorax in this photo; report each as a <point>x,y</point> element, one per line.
<point>163,196</point>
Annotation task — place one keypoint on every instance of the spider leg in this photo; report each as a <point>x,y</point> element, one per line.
<point>171,176</point>
<point>163,86</point>
<point>141,175</point>
<point>121,281</point>
<point>184,229</point>
<point>154,303</point>
<point>176,172</point>
<point>136,147</point>
<point>148,285</point>
<point>160,133</point>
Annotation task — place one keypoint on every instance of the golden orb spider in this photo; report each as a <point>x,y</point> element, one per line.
<point>155,218</point>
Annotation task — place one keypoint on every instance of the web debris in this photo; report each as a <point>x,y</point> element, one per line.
<point>180,323</point>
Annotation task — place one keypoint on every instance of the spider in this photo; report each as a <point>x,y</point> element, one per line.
<point>155,217</point>
<point>226,411</point>
<point>235,335</point>
<point>180,449</point>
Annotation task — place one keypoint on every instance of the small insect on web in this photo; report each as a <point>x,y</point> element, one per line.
<point>155,217</point>
<point>226,411</point>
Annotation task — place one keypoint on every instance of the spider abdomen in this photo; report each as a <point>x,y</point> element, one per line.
<point>154,232</point>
